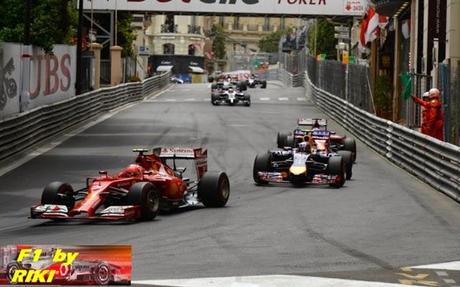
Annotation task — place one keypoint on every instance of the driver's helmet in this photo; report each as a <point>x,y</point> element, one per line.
<point>133,170</point>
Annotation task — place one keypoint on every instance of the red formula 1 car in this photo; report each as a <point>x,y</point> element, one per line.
<point>139,191</point>
<point>304,126</point>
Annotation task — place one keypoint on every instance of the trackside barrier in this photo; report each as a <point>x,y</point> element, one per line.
<point>27,129</point>
<point>434,162</point>
<point>291,80</point>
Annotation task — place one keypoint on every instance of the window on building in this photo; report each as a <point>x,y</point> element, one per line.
<point>282,23</point>
<point>236,23</point>
<point>169,26</point>
<point>191,50</point>
<point>267,23</point>
<point>168,49</point>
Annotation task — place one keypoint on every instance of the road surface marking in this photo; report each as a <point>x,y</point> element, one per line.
<point>454,265</point>
<point>302,99</point>
<point>283,99</point>
<point>266,281</point>
<point>264,99</point>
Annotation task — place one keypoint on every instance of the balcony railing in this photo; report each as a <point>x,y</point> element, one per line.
<point>169,28</point>
<point>194,29</point>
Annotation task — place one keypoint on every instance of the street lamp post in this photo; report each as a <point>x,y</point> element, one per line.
<point>78,84</point>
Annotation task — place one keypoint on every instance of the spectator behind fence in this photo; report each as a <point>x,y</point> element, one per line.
<point>432,115</point>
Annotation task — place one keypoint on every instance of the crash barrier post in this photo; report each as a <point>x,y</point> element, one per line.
<point>434,162</point>
<point>27,129</point>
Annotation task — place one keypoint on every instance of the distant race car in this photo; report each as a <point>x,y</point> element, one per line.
<point>139,191</point>
<point>305,125</point>
<point>230,96</point>
<point>253,82</point>
<point>311,162</point>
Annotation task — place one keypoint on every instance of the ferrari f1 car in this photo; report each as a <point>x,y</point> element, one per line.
<point>230,96</point>
<point>139,191</point>
<point>304,126</point>
<point>310,162</point>
<point>253,82</point>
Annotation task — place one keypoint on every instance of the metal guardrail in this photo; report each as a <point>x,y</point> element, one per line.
<point>434,162</point>
<point>291,80</point>
<point>30,128</point>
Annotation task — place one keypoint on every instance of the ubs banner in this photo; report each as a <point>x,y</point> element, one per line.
<point>280,7</point>
<point>33,79</point>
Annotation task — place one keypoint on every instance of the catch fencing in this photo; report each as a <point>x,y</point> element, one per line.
<point>434,162</point>
<point>28,129</point>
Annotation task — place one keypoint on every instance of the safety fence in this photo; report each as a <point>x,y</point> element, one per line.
<point>30,128</point>
<point>434,162</point>
<point>291,80</point>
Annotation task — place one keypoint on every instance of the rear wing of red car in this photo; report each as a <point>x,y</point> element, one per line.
<point>313,123</point>
<point>198,154</point>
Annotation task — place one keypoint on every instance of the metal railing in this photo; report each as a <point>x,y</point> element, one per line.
<point>31,128</point>
<point>434,162</point>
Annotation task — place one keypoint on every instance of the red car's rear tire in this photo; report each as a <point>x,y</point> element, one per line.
<point>214,189</point>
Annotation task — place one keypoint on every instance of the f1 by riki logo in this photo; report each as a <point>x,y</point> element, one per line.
<point>31,257</point>
<point>249,2</point>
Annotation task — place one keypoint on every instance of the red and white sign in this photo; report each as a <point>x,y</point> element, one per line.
<point>279,7</point>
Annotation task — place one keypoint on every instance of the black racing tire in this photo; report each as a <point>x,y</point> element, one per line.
<point>347,162</point>
<point>102,274</point>
<point>281,139</point>
<point>350,145</point>
<point>59,193</point>
<point>213,86</point>
<point>335,167</point>
<point>248,103</point>
<point>290,142</point>
<point>262,163</point>
<point>145,195</point>
<point>242,86</point>
<point>264,85</point>
<point>214,189</point>
<point>11,268</point>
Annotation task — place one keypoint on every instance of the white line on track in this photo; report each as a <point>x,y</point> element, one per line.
<point>283,99</point>
<point>302,99</point>
<point>266,281</point>
<point>454,265</point>
<point>264,99</point>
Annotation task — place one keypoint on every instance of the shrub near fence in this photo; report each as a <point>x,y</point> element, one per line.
<point>30,128</point>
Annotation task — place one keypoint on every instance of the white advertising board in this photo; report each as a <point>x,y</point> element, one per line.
<point>10,78</point>
<point>253,7</point>
<point>52,76</point>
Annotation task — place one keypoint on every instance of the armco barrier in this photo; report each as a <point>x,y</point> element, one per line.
<point>27,129</point>
<point>434,162</point>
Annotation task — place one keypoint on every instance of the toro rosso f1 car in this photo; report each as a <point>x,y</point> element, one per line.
<point>304,126</point>
<point>139,191</point>
<point>310,162</point>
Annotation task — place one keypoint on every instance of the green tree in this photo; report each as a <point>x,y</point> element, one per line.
<point>218,44</point>
<point>270,43</point>
<point>321,34</point>
<point>125,34</point>
<point>52,22</point>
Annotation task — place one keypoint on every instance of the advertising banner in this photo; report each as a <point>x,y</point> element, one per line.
<point>279,7</point>
<point>65,265</point>
<point>52,76</point>
<point>10,73</point>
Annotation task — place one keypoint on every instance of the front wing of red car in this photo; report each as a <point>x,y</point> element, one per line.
<point>113,213</point>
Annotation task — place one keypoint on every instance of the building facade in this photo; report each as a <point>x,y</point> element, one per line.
<point>177,43</point>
